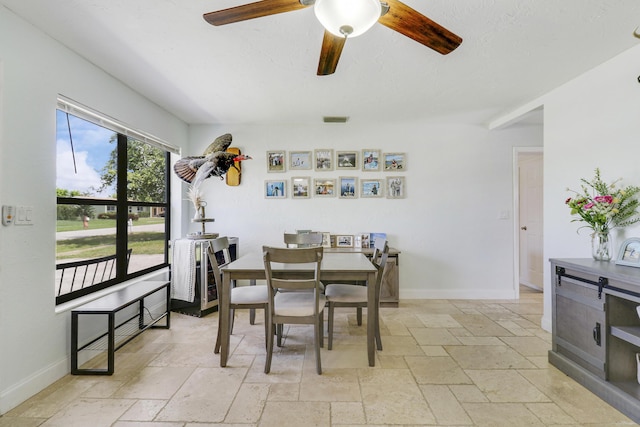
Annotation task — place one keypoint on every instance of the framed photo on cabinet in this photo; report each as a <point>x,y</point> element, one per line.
<point>324,187</point>
<point>348,186</point>
<point>344,241</point>
<point>347,160</point>
<point>275,189</point>
<point>629,253</point>
<point>370,160</point>
<point>276,161</point>
<point>371,187</point>
<point>300,187</point>
<point>395,187</point>
<point>394,162</point>
<point>323,159</point>
<point>300,160</point>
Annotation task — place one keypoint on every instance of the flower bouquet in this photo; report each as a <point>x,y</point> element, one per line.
<point>603,207</point>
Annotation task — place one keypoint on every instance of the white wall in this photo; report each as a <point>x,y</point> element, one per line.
<point>458,180</point>
<point>593,121</point>
<point>34,339</point>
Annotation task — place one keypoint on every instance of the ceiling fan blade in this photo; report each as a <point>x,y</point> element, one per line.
<point>413,24</point>
<point>330,54</point>
<point>252,10</point>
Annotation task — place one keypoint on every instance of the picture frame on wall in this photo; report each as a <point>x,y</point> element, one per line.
<point>348,187</point>
<point>300,187</point>
<point>276,161</point>
<point>395,188</point>
<point>394,162</point>
<point>372,187</point>
<point>344,241</point>
<point>300,160</point>
<point>324,187</point>
<point>323,159</point>
<point>629,253</point>
<point>370,160</point>
<point>275,189</point>
<point>347,160</point>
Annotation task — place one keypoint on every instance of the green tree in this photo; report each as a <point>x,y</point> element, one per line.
<point>145,172</point>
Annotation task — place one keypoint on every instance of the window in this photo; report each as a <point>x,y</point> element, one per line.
<point>112,202</point>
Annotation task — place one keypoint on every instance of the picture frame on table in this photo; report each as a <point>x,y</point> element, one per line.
<point>300,160</point>
<point>629,253</point>
<point>324,187</point>
<point>276,161</point>
<point>326,239</point>
<point>394,162</point>
<point>395,188</point>
<point>323,159</point>
<point>372,187</point>
<point>370,160</point>
<point>344,241</point>
<point>275,189</point>
<point>347,160</point>
<point>348,187</point>
<point>300,187</point>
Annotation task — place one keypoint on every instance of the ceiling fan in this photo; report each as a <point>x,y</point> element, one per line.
<point>334,16</point>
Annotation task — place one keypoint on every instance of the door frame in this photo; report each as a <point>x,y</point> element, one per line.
<point>516,214</point>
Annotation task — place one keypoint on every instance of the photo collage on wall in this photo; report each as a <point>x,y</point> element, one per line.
<point>344,187</point>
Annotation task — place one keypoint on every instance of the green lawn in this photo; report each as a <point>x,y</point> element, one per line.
<point>73,225</point>
<point>146,243</point>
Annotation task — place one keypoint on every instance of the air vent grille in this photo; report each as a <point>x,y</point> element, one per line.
<point>335,119</point>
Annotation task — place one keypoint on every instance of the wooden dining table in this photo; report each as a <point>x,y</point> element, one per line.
<point>335,267</point>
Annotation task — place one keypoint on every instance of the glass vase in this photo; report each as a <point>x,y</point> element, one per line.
<point>601,245</point>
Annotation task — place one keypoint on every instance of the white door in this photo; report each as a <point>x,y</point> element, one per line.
<point>530,221</point>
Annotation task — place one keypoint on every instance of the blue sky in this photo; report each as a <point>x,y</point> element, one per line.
<point>92,149</point>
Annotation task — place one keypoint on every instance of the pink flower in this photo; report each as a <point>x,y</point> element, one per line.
<point>588,206</point>
<point>603,199</point>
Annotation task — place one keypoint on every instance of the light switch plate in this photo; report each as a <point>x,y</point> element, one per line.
<point>24,215</point>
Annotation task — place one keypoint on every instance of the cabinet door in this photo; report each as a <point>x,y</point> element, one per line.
<point>580,324</point>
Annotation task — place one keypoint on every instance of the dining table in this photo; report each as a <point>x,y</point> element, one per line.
<point>335,267</point>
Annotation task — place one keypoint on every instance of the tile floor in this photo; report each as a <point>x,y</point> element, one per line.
<point>445,363</point>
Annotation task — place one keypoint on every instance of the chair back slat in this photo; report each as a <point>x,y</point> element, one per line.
<point>302,240</point>
<point>311,255</point>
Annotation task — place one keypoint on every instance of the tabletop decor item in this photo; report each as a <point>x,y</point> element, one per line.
<point>603,207</point>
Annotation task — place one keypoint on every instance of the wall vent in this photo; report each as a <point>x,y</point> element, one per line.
<point>335,119</point>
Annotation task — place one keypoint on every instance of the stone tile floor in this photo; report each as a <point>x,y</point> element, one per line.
<point>445,363</point>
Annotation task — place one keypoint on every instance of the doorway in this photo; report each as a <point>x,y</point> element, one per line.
<point>528,245</point>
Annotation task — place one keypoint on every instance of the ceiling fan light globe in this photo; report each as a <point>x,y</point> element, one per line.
<point>336,15</point>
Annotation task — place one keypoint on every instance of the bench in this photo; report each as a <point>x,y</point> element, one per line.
<point>127,329</point>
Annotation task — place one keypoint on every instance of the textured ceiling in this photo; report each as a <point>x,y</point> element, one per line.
<point>264,70</point>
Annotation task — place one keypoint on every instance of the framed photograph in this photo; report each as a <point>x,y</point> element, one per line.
<point>370,160</point>
<point>323,159</point>
<point>275,189</point>
<point>394,162</point>
<point>346,160</point>
<point>395,187</point>
<point>629,253</point>
<point>276,161</point>
<point>348,186</point>
<point>300,160</point>
<point>371,187</point>
<point>362,240</point>
<point>326,240</point>
<point>374,236</point>
<point>324,187</point>
<point>300,187</point>
<point>344,241</point>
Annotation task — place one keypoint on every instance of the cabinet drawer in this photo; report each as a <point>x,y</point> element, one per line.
<point>580,323</point>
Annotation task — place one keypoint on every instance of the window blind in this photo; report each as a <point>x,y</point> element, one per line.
<point>76,109</point>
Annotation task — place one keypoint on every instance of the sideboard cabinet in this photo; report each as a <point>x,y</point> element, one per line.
<point>596,329</point>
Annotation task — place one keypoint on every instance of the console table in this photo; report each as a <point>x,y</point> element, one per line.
<point>596,329</point>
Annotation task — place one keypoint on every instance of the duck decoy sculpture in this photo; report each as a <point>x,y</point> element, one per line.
<point>215,161</point>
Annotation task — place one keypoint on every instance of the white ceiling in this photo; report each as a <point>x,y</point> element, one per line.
<point>264,70</point>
